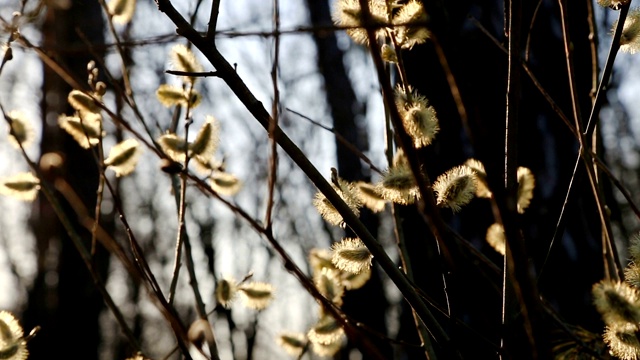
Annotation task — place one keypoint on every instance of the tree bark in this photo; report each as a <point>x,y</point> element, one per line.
<point>63,299</point>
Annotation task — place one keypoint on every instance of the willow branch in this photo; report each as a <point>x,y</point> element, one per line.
<point>255,107</point>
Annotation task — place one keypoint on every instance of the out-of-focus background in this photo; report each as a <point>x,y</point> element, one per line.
<point>324,76</point>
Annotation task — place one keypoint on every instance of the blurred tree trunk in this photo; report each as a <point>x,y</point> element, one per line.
<point>63,299</point>
<point>347,114</point>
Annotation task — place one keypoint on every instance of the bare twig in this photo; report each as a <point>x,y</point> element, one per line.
<point>183,237</point>
<point>275,117</point>
<point>180,191</point>
<point>426,204</point>
<point>453,85</point>
<point>342,140</point>
<point>518,278</point>
<point>289,264</point>
<point>192,74</point>
<point>123,66</point>
<point>99,194</point>
<point>613,267</point>
<point>533,79</point>
<point>608,68</point>
<point>533,21</point>
<point>405,257</point>
<point>619,185</point>
<point>151,283</point>
<point>213,21</point>
<point>235,83</point>
<point>593,45</point>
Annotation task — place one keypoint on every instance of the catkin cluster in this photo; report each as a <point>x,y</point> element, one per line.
<point>347,266</point>
<point>619,304</point>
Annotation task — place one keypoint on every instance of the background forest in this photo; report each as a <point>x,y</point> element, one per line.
<point>227,149</point>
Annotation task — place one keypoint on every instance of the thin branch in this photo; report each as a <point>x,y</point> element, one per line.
<point>200,307</point>
<point>426,204</point>
<point>126,94</point>
<point>99,191</point>
<point>180,191</point>
<point>453,85</point>
<point>560,222</point>
<point>183,237</point>
<point>623,190</point>
<point>151,283</point>
<point>139,272</point>
<point>213,21</point>
<point>599,97</point>
<point>568,52</point>
<point>405,257</point>
<point>533,79</point>
<point>533,21</point>
<point>517,277</point>
<point>613,268</point>
<point>403,252</point>
<point>192,74</point>
<point>608,68</point>
<point>275,117</point>
<point>593,45</point>
<point>289,264</point>
<point>340,138</point>
<point>61,71</point>
<point>121,57</point>
<point>235,83</point>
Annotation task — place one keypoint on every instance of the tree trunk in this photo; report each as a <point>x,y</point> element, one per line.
<point>63,299</point>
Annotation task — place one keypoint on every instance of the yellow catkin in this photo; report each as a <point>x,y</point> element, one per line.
<point>21,131</point>
<point>418,117</point>
<point>370,197</point>
<point>22,186</point>
<point>326,331</point>
<point>123,157</point>
<point>496,238</point>
<point>12,343</point>
<point>353,281</point>
<point>328,283</point>
<point>622,340</point>
<point>226,290</point>
<point>183,59</point>
<point>327,210</point>
<point>630,39</point>
<point>293,343</point>
<point>398,185</point>
<point>174,146</point>
<point>85,131</point>
<point>349,14</point>
<point>455,188</point>
<point>122,10</point>
<point>351,255</point>
<point>482,187</point>
<point>617,302</point>
<point>526,184</point>
<point>207,139</point>
<point>225,183</point>
<point>410,23</point>
<point>257,295</point>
